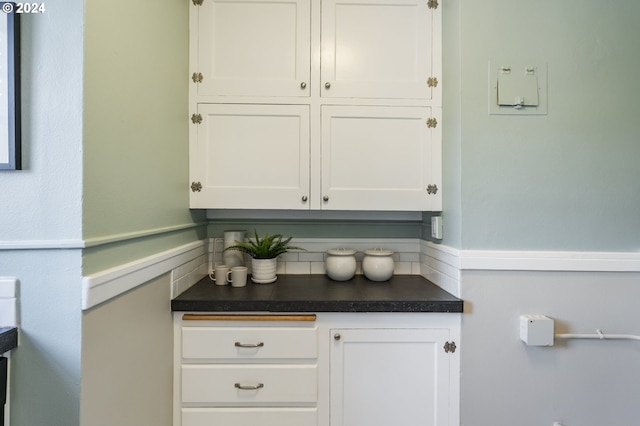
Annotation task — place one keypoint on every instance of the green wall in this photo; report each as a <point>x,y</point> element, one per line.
<point>136,76</point>
<point>567,180</point>
<point>321,228</point>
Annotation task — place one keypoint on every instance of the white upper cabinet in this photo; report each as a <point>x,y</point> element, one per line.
<point>253,48</point>
<point>377,49</point>
<point>383,158</point>
<point>315,104</point>
<point>251,155</point>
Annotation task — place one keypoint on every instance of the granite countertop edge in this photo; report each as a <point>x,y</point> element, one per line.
<point>8,339</point>
<point>318,293</point>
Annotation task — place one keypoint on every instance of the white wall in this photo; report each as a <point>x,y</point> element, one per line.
<point>40,220</point>
<point>127,359</point>
<point>576,382</point>
<point>45,368</point>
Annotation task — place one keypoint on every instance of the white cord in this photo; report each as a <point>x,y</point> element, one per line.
<point>599,335</point>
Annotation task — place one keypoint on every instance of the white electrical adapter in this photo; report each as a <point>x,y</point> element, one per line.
<point>436,227</point>
<point>536,330</point>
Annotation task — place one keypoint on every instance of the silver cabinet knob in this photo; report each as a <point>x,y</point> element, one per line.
<point>337,336</point>
<point>303,85</point>
<point>325,198</point>
<point>327,85</point>
<point>305,198</point>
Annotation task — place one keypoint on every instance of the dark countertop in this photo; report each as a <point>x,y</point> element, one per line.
<point>318,293</point>
<point>8,339</point>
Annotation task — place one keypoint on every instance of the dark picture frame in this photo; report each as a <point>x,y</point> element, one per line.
<point>10,137</point>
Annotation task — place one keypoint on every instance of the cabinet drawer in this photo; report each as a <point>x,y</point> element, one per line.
<point>249,343</point>
<point>232,384</point>
<point>249,416</point>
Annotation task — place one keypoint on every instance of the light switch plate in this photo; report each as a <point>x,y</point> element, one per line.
<point>436,227</point>
<point>517,88</point>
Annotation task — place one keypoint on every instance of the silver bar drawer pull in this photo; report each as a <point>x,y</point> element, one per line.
<point>249,387</point>
<point>249,345</point>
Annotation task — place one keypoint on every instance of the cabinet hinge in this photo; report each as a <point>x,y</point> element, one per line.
<point>197,2</point>
<point>433,4</point>
<point>197,77</point>
<point>432,123</point>
<point>432,82</point>
<point>450,347</point>
<point>196,187</point>
<point>196,119</point>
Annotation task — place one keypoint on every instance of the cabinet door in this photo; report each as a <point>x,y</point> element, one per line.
<point>382,377</point>
<point>380,158</point>
<point>377,48</point>
<point>253,47</point>
<point>251,156</point>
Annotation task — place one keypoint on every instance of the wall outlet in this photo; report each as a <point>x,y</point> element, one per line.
<point>436,227</point>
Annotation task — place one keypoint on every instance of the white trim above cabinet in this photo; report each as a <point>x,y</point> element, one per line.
<point>310,105</point>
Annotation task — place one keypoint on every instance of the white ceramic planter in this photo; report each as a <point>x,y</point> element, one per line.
<point>263,271</point>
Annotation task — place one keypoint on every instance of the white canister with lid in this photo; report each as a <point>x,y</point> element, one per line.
<point>341,264</point>
<point>378,264</point>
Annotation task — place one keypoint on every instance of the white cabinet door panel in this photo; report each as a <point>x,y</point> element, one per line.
<point>376,48</point>
<point>382,377</point>
<point>379,158</point>
<point>251,156</point>
<point>254,47</point>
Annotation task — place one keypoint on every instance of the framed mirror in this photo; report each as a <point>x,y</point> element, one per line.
<point>10,142</point>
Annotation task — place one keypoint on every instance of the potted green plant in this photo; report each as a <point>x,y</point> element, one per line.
<point>264,252</point>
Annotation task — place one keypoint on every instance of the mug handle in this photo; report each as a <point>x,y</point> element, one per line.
<point>229,276</point>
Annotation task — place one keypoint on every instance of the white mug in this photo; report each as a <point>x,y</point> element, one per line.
<point>237,276</point>
<point>220,275</point>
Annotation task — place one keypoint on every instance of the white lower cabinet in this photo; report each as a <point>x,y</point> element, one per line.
<point>383,377</point>
<point>343,369</point>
